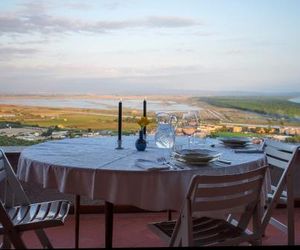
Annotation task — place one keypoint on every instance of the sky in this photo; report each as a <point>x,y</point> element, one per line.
<point>149,46</point>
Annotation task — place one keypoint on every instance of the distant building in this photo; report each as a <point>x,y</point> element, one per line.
<point>237,129</point>
<point>105,132</point>
<point>7,115</point>
<point>59,134</point>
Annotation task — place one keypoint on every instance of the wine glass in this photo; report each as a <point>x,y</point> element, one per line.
<point>201,131</point>
<point>189,124</point>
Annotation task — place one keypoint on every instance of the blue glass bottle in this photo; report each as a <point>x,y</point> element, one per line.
<point>141,143</point>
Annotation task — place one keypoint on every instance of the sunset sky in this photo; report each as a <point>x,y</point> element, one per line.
<point>149,46</point>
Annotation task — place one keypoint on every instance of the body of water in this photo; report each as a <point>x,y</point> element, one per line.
<point>104,104</point>
<point>297,100</point>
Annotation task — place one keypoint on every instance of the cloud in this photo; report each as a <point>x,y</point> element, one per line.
<point>78,5</point>
<point>115,4</point>
<point>36,23</point>
<point>29,42</point>
<point>11,24</point>
<point>6,53</point>
<point>34,6</point>
<point>170,21</point>
<point>15,24</point>
<point>31,7</point>
<point>43,6</point>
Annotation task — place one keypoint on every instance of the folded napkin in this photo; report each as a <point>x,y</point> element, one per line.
<point>248,151</point>
<point>150,165</point>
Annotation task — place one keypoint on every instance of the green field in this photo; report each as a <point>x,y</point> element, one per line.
<point>278,111</point>
<point>278,107</point>
<point>76,119</point>
<point>11,141</point>
<point>232,134</point>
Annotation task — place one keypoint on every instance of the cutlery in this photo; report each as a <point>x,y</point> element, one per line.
<point>169,165</point>
<point>163,161</point>
<point>151,165</point>
<point>224,161</point>
<point>178,166</point>
<point>220,164</point>
<point>248,151</point>
<point>172,165</point>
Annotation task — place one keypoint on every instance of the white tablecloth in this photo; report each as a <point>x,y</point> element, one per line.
<point>93,167</point>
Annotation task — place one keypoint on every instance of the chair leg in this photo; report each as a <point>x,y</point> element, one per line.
<point>109,217</point>
<point>16,240</point>
<point>290,211</point>
<point>6,243</point>
<point>263,229</point>
<point>77,214</point>
<point>43,238</point>
<point>169,212</point>
<point>257,230</point>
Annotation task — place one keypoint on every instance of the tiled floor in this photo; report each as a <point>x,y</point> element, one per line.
<point>130,231</point>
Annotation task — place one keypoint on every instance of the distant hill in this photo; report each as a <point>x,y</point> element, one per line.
<point>160,91</point>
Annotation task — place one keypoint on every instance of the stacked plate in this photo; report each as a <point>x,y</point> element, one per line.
<point>236,142</point>
<point>196,156</point>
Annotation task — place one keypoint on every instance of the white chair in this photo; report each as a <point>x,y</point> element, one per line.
<point>219,195</point>
<point>281,160</point>
<point>17,214</point>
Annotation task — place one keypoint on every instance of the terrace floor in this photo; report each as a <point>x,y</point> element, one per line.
<point>130,231</point>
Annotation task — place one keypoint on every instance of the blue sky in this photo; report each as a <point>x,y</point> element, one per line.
<point>149,46</point>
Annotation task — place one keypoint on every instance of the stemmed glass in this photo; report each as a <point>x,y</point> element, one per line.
<point>201,132</point>
<point>189,124</point>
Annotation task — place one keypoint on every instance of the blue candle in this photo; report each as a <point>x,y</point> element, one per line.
<point>120,121</point>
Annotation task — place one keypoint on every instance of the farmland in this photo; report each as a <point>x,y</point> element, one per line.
<point>68,118</point>
<point>219,111</point>
<point>276,107</point>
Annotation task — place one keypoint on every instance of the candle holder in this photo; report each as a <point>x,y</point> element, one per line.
<point>119,145</point>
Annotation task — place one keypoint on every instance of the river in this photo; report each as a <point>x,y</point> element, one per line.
<point>296,99</point>
<point>98,103</point>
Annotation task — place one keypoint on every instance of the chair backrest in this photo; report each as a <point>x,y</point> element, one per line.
<point>2,169</point>
<point>11,194</point>
<point>11,190</point>
<point>224,194</point>
<point>280,158</point>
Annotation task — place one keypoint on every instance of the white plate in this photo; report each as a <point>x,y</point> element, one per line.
<point>197,153</point>
<point>196,163</point>
<point>196,156</point>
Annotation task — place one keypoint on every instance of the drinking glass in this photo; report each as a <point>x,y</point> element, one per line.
<point>189,124</point>
<point>165,132</point>
<point>201,132</point>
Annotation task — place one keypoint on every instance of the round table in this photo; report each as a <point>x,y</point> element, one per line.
<point>93,167</point>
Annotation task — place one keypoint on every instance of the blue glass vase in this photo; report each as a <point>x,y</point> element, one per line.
<point>140,143</point>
